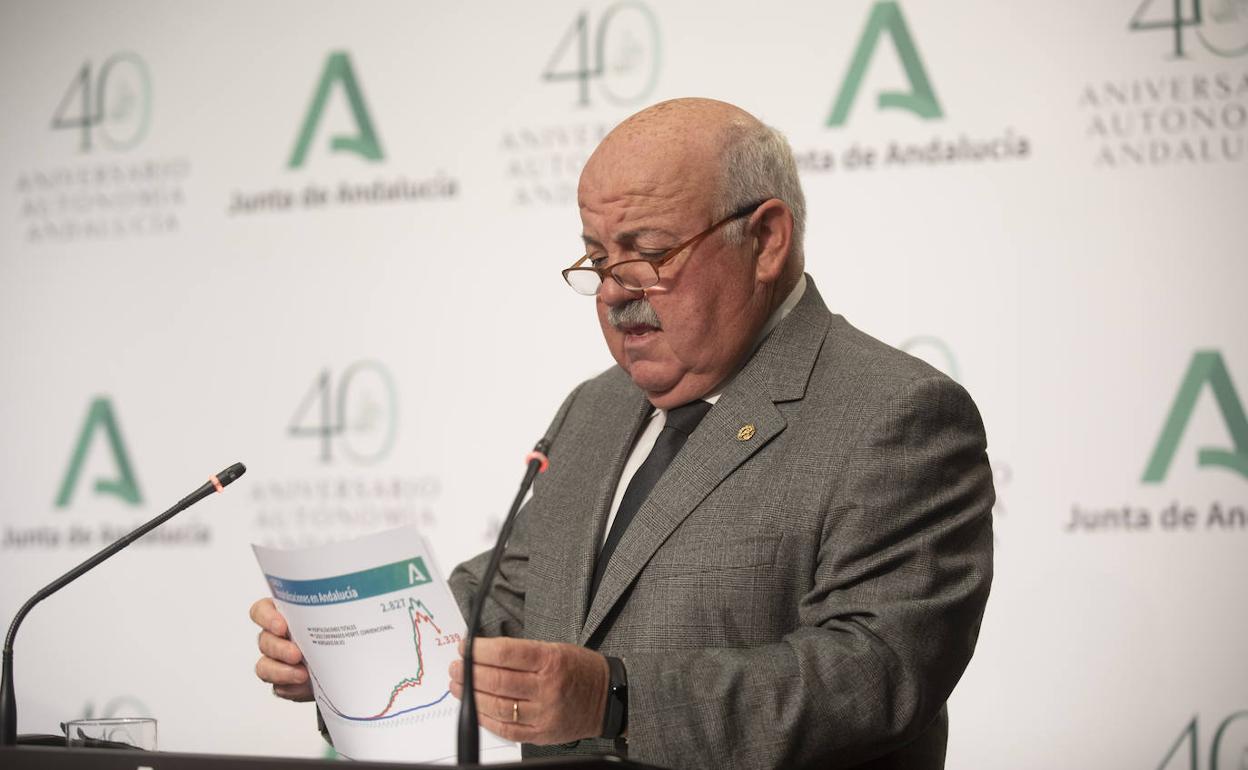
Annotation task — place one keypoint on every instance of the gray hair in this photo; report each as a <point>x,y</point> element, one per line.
<point>758,164</point>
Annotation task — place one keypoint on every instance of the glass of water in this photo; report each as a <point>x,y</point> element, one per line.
<point>116,733</point>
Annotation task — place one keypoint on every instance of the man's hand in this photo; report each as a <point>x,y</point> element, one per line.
<point>281,662</point>
<point>536,692</point>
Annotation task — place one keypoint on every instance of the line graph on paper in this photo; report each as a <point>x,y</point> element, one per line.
<point>378,629</point>
<point>421,687</point>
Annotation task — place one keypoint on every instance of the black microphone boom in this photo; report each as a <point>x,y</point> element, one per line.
<point>8,701</point>
<point>469,750</point>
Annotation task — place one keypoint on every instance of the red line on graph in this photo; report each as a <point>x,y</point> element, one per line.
<point>417,619</point>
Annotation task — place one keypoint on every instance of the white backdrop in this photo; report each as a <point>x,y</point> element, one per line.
<point>1054,214</point>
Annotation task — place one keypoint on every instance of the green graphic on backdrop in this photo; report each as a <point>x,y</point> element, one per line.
<point>100,417</point>
<point>623,54</point>
<point>365,142</point>
<point>1222,28</point>
<point>934,351</point>
<point>116,103</point>
<point>921,99</point>
<point>1206,367</point>
<point>359,416</point>
<point>1189,737</point>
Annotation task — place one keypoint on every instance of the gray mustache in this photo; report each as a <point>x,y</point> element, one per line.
<point>637,312</point>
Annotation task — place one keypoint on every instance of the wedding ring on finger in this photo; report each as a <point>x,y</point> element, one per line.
<point>515,711</point>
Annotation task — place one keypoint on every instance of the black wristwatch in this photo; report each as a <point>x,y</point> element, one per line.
<point>615,717</point>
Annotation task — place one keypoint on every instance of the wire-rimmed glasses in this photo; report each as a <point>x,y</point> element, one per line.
<point>640,274</point>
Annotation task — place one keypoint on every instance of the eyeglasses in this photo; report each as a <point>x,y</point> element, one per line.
<point>641,274</point>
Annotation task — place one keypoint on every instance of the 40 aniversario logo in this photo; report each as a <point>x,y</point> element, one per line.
<point>1219,27</point>
<point>109,105</point>
<point>1189,109</point>
<point>345,426</point>
<point>604,59</point>
<point>619,52</point>
<point>1227,748</point>
<point>102,190</point>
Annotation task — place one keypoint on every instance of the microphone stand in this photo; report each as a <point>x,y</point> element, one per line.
<point>8,700</point>
<point>469,749</point>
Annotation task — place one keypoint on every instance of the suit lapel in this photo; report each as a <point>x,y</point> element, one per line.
<point>613,431</point>
<point>708,457</point>
<point>777,372</point>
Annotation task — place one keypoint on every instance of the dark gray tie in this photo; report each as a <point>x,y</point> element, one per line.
<point>680,424</point>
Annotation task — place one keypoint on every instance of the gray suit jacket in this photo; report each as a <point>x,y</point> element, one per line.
<point>807,597</point>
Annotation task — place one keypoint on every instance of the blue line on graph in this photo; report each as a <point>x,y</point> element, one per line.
<point>350,718</point>
<point>387,716</point>
<point>416,617</point>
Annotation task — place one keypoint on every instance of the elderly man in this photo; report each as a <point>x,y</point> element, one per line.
<point>765,538</point>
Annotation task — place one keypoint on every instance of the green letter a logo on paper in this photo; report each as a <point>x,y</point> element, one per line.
<point>364,143</point>
<point>921,99</point>
<point>100,416</point>
<point>1206,366</point>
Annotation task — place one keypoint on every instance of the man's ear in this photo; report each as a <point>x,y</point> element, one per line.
<point>772,229</point>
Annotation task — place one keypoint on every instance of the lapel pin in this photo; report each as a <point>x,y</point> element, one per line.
<point>746,433</point>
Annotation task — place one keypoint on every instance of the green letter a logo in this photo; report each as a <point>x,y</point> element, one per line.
<point>100,415</point>
<point>364,143</point>
<point>1206,366</point>
<point>921,100</point>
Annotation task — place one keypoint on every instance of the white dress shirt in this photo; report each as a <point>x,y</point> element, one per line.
<point>658,417</point>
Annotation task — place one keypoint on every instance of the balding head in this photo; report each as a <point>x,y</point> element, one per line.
<point>690,124</point>
<point>660,178</point>
<point>711,146</point>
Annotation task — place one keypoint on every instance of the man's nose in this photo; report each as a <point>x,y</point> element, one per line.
<point>612,293</point>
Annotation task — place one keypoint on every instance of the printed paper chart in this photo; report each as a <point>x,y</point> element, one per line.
<point>378,641</point>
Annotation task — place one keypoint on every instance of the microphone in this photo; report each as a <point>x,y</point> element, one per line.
<point>469,748</point>
<point>8,701</point>
<point>469,751</point>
